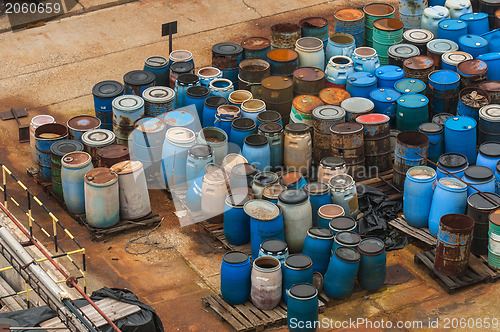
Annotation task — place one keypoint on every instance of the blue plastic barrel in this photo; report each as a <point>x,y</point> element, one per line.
<point>196,95</point>
<point>410,147</point>
<point>444,86</point>
<point>412,111</point>
<point>343,224</point>
<point>345,239</point>
<point>224,117</point>
<point>266,222</point>
<point>409,85</point>
<point>257,151</point>
<point>160,67</point>
<point>493,37</point>
<point>274,248</point>
<point>136,81</point>
<point>372,266</point>
<point>341,274</point>
<point>417,197</point>
<point>340,43</point>
<point>319,195</point>
<point>182,84</point>
<point>297,269</point>
<point>236,221</point>
<point>210,109</point>
<point>450,196</point>
<point>45,136</point>
<point>477,22</point>
<point>388,75</point>
<point>481,177</point>
<point>283,61</point>
<point>384,100</point>
<point>493,62</point>
<point>452,29</point>
<point>240,129</point>
<point>327,212</point>
<point>74,167</point>
<point>317,246</point>
<point>235,274</point>
<point>302,308</point>
<point>473,44</point>
<point>180,118</point>
<point>208,74</point>
<point>488,155</point>
<point>460,136</point>
<point>360,84</point>
<point>410,13</point>
<point>435,132</point>
<point>104,92</point>
<point>454,163</point>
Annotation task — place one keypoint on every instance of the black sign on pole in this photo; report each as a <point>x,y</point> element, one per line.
<point>169,29</point>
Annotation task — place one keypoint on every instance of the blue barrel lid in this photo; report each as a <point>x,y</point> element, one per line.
<point>371,246</point>
<point>298,261</point>
<point>384,95</point>
<point>453,24</point>
<point>441,46</point>
<point>460,123</point>
<point>178,118</point>
<point>293,195</point>
<point>362,78</point>
<point>107,89</point>
<point>413,100</point>
<point>473,16</point>
<point>472,41</point>
<point>443,77</point>
<point>409,85</point>
<point>235,257</point>
<point>389,72</point>
<point>150,125</point>
<point>348,238</point>
<point>489,56</point>
<point>303,291</point>
<point>347,254</point>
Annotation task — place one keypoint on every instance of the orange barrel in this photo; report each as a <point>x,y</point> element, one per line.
<point>333,96</point>
<point>302,107</point>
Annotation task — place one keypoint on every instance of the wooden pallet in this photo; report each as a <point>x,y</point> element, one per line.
<point>495,272</point>
<point>33,172</point>
<point>421,234</point>
<point>477,272</point>
<point>216,231</point>
<point>384,183</point>
<point>246,317</point>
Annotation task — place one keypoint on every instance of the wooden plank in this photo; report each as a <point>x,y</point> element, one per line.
<point>479,267</point>
<point>259,313</point>
<point>421,234</point>
<point>232,311</point>
<point>224,314</point>
<point>248,314</point>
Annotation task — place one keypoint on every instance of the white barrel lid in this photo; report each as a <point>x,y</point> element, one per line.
<point>457,4</point>
<point>39,120</point>
<point>453,58</point>
<point>128,103</point>
<point>181,55</point>
<point>420,36</point>
<point>127,167</point>
<point>438,12</point>
<point>357,105</point>
<point>490,113</point>
<point>158,94</point>
<point>98,137</point>
<point>180,135</point>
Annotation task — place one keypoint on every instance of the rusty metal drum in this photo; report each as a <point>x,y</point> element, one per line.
<point>158,100</point>
<point>470,101</point>
<point>356,106</point>
<point>444,86</point>
<point>376,135</point>
<point>112,154</point>
<point>126,110</point>
<point>478,208</point>
<point>256,48</point>
<point>333,96</point>
<point>284,35</point>
<point>493,88</point>
<point>386,32</point>
<point>324,117</point>
<point>328,168</point>
<point>418,67</point>
<point>283,61</point>
<point>410,146</point>
<point>410,12</point>
<point>95,139</point>
<point>472,73</point>
<point>399,53</point>
<point>36,122</point>
<point>308,81</point>
<point>419,38</point>
<point>373,12</point>
<point>102,200</point>
<point>277,93</point>
<point>347,142</point>
<point>437,47</point>
<point>227,56</point>
<point>297,154</point>
<point>252,72</point>
<point>351,21</point>
<point>315,27</point>
<point>79,124</point>
<point>178,68</point>
<point>302,107</point>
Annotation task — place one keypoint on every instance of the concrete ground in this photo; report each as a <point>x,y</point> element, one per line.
<point>51,70</point>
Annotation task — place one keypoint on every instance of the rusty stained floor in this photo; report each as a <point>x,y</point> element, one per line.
<point>51,70</point>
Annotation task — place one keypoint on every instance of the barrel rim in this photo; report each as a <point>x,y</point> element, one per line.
<point>149,62</point>
<point>201,75</point>
<point>53,148</point>
<point>217,49</point>
<point>371,253</point>
<point>357,128</point>
<point>412,81</point>
<point>172,56</point>
<point>88,178</point>
<point>303,298</point>
<point>353,236</point>
<point>322,214</point>
<point>403,137</point>
<point>446,57</point>
<point>276,210</point>
<point>355,259</point>
<point>439,71</point>
<point>127,167</point>
<point>265,43</point>
<point>203,91</point>
<point>377,24</point>
<point>468,89</point>
<point>233,252</point>
<point>129,79</point>
<point>393,9</point>
<point>169,96</point>
<point>304,20</point>
<point>275,252</point>
<point>492,196</point>
<point>448,221</point>
<point>61,129</point>
<point>337,18</point>
<point>97,93</point>
<point>68,158</point>
<point>319,191</point>
<point>109,137</point>
<point>274,261</point>
<point>292,262</point>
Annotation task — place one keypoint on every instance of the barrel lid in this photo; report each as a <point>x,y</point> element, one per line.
<point>306,103</point>
<point>231,160</point>
<point>277,82</point>
<point>200,151</point>
<point>472,67</point>
<point>362,78</point>
<point>328,113</point>
<point>298,261</point>
<point>139,77</point>
<point>181,55</point>
<point>62,147</point>
<point>180,135</point>
<point>271,128</point>
<point>98,137</point>
<point>409,85</point>
<point>274,246</point>
<point>265,178</point>
<point>378,9</point>
<point>256,140</point>
<point>413,100</point>
<point>420,62</point>
<point>244,169</point>
<point>371,246</point>
<point>255,43</point>
<point>291,177</point>
<point>178,118</point>
<point>460,123</point>
<point>128,103</point>
<point>346,128</point>
<point>113,151</point>
<point>347,238</point>
<point>444,77</point>
<point>181,67</point>
<point>187,79</point>
<point>348,14</point>
<point>473,16</point>
<point>209,72</point>
<point>76,158</point>
<point>477,201</point>
<point>108,89</point>
<point>39,120</point>
<point>453,58</point>
<point>309,43</point>
<point>303,291</point>
<point>384,95</point>
<point>243,124</point>
<point>437,12</point>
<point>489,56</point>
<point>321,232</point>
<point>389,72</point>
<point>403,51</point>
<point>490,113</point>
<point>333,96</point>
<point>373,119</point>
<point>479,173</point>
<point>293,196</point>
<point>342,223</point>
<point>150,125</point>
<point>494,216</point>
<point>227,48</point>
<point>228,111</point>
<point>472,41</point>
<point>388,24</point>
<point>215,101</point>
<point>347,254</point>
<point>452,160</point>
<point>127,167</point>
<point>332,162</point>
<point>253,105</point>
<point>440,118</point>
<point>268,116</point>
<point>329,211</point>
<point>297,128</point>
<point>156,62</point>
<point>441,46</point>
<point>317,188</point>
<point>235,257</point>
<point>282,55</point>
<point>357,105</point>
<point>418,36</point>
<point>490,149</point>
<point>216,176</point>
<point>273,191</point>
<point>313,22</point>
<point>452,24</point>
<point>261,209</point>
<point>237,200</point>
<point>309,74</point>
<point>458,4</point>
<point>198,91</point>
<point>430,128</point>
<point>340,181</point>
<point>83,122</point>
<point>158,94</point>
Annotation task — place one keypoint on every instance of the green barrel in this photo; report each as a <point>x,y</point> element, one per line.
<point>412,111</point>
<point>57,151</point>
<point>386,32</point>
<point>373,12</point>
